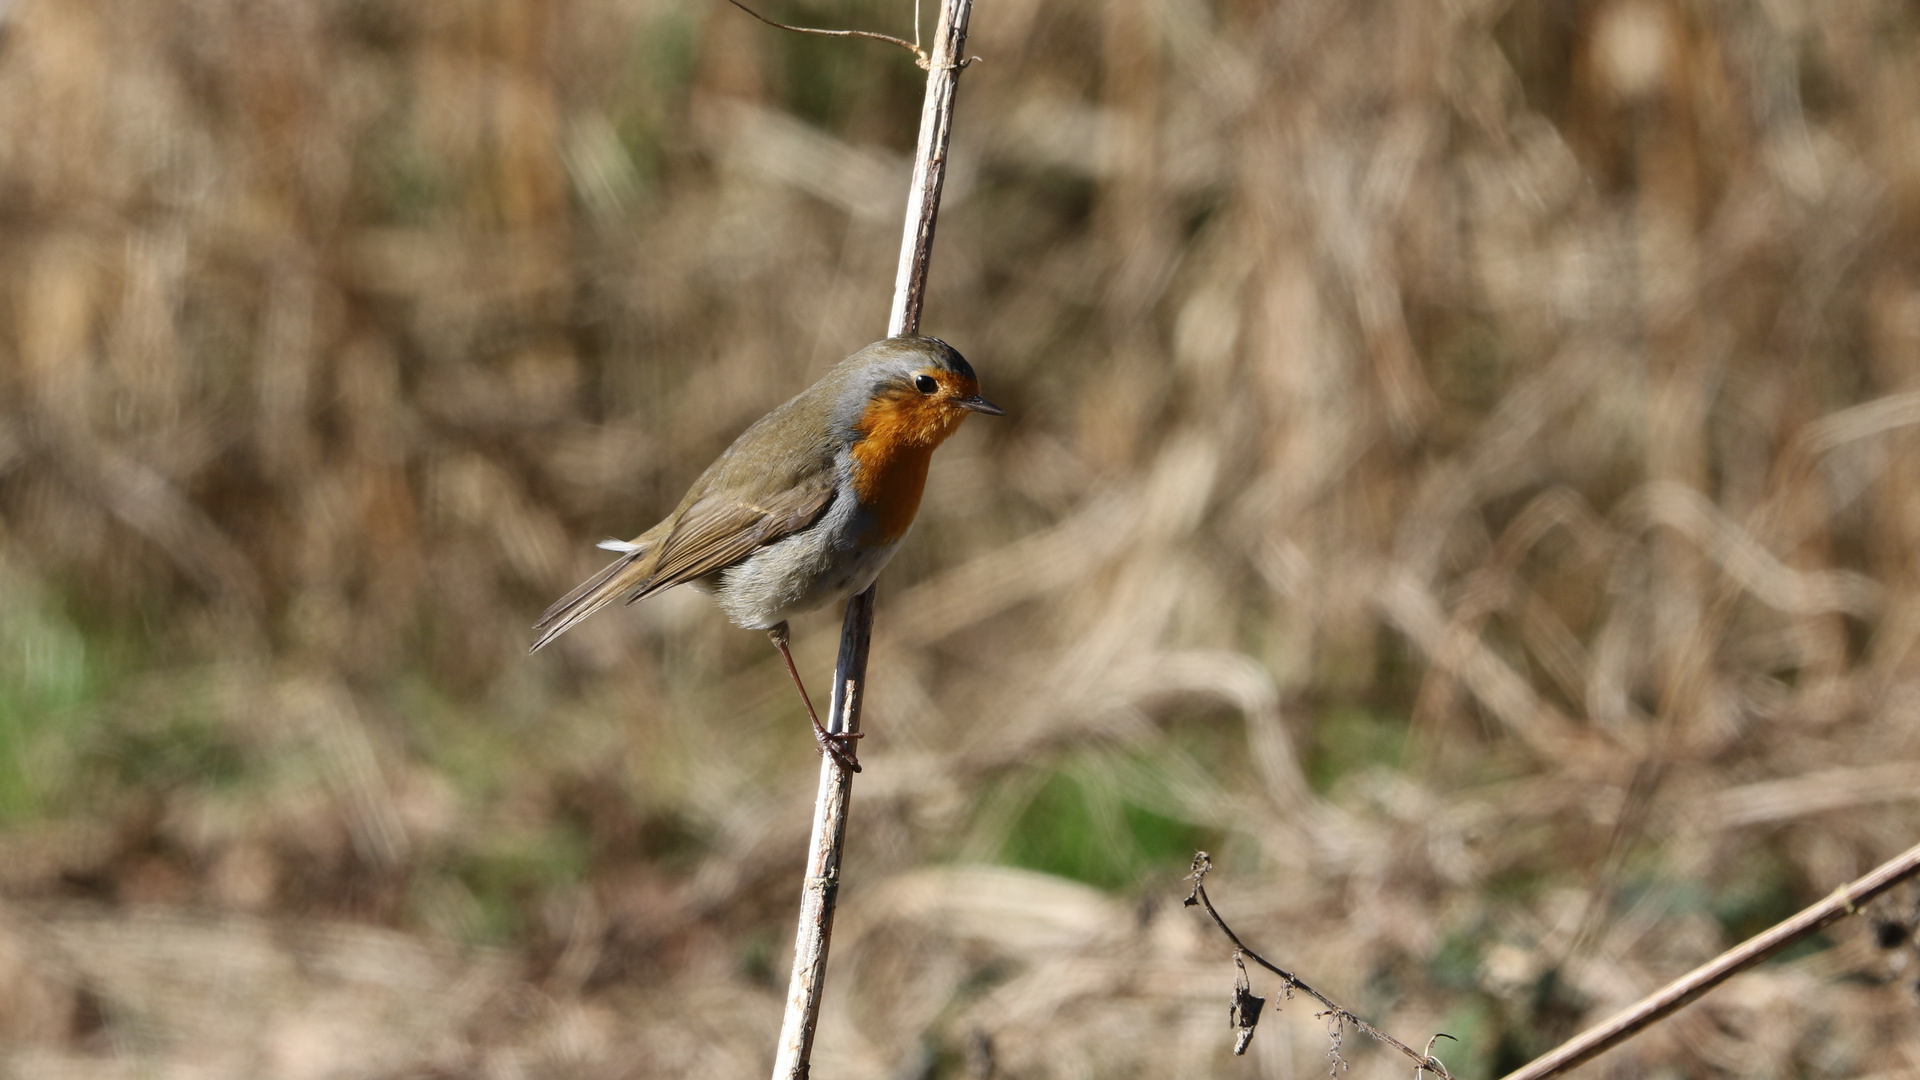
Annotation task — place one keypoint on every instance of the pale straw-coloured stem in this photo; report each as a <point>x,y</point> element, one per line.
<point>822,883</point>
<point>1630,1021</point>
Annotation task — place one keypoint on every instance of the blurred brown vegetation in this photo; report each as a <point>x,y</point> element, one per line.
<point>1461,471</point>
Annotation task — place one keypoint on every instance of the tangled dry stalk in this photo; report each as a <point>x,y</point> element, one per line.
<point>1246,1008</point>
<point>1461,473</point>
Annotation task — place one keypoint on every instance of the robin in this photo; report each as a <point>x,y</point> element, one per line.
<point>806,506</point>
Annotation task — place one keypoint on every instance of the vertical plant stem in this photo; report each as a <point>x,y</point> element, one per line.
<point>929,167</point>
<point>821,889</point>
<point>820,892</point>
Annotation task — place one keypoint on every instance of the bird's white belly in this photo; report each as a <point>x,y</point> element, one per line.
<point>799,573</point>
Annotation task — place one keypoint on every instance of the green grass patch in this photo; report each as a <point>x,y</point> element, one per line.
<point>1759,895</point>
<point>508,875</point>
<point>52,677</point>
<point>1088,822</point>
<point>1352,738</point>
<point>1456,964</point>
<point>475,753</point>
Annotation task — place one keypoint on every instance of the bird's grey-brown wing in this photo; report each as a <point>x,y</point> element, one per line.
<point>719,530</point>
<point>711,533</point>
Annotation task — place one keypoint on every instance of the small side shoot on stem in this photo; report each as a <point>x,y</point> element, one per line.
<point>1245,1011</point>
<point>921,60</point>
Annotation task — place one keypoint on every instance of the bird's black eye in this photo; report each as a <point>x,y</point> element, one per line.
<point>925,384</point>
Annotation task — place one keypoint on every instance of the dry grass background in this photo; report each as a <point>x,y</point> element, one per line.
<point>1461,471</point>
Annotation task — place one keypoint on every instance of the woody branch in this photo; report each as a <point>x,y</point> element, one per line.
<point>820,892</point>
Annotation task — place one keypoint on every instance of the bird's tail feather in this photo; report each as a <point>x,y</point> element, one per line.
<point>624,574</point>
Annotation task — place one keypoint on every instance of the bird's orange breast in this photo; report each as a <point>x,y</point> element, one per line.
<point>898,436</point>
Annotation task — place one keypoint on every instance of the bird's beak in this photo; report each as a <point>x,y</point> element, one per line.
<point>980,405</point>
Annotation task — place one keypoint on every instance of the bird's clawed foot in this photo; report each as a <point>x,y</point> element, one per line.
<point>839,746</point>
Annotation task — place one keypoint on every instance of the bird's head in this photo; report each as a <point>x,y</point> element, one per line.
<point>913,390</point>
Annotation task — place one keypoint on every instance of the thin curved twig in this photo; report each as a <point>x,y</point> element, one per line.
<point>921,59</point>
<point>1202,862</point>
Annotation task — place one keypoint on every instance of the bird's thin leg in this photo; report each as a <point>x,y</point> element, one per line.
<point>841,745</point>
